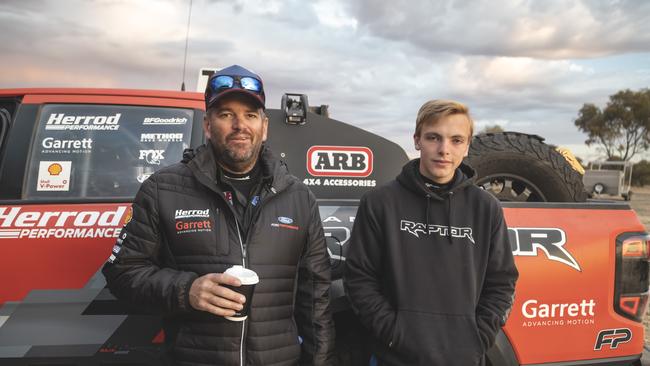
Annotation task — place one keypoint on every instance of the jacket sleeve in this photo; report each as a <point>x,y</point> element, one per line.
<point>363,266</point>
<point>133,272</point>
<point>312,311</point>
<point>497,295</point>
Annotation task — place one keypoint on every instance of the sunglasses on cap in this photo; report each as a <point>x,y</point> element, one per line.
<point>221,82</point>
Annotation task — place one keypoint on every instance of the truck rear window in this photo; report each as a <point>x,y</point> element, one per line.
<point>103,151</point>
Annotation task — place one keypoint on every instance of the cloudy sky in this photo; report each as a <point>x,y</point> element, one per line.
<point>525,65</point>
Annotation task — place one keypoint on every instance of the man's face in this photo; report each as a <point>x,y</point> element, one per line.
<point>236,129</point>
<point>443,145</point>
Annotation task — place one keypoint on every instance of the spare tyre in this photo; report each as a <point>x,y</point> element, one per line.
<point>520,167</point>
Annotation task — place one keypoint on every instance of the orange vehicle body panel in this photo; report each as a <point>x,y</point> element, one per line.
<point>590,238</point>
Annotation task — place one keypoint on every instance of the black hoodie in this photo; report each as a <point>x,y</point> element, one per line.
<point>431,276</point>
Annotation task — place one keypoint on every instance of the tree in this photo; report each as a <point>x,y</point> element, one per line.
<point>492,129</point>
<point>622,129</point>
<point>641,173</point>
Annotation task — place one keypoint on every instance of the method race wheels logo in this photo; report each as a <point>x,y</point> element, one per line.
<point>339,161</point>
<point>612,337</point>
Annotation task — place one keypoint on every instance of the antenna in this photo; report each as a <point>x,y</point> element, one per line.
<point>187,37</point>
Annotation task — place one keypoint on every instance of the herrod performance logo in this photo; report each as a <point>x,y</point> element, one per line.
<point>18,222</point>
<point>531,242</point>
<point>339,161</point>
<point>63,122</point>
<point>192,221</point>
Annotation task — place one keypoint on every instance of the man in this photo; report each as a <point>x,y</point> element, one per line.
<point>232,203</point>
<point>430,271</point>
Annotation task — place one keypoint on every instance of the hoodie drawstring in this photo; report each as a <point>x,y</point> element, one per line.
<point>426,212</point>
<point>449,196</point>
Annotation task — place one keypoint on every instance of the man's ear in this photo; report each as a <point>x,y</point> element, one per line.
<point>416,142</point>
<point>206,126</point>
<point>265,128</point>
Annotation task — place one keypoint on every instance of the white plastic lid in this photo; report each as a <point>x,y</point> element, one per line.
<point>245,275</point>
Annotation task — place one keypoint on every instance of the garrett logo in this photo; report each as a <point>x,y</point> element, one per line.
<point>339,161</point>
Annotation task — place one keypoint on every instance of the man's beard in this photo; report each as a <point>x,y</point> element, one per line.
<point>235,160</point>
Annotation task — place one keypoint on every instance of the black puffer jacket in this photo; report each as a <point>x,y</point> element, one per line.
<point>183,228</point>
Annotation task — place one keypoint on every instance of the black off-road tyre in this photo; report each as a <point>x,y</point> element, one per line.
<point>519,167</point>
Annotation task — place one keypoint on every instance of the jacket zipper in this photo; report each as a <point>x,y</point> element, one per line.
<point>243,259</point>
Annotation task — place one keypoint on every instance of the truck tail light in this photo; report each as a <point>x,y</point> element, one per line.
<point>631,287</point>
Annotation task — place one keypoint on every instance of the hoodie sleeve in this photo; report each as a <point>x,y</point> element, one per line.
<point>313,314</point>
<point>497,295</point>
<point>133,272</point>
<point>362,277</point>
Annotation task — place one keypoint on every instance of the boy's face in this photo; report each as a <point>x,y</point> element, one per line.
<point>443,145</point>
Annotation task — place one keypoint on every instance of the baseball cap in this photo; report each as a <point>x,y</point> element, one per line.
<point>234,79</point>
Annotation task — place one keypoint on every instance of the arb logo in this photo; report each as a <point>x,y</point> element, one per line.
<point>339,161</point>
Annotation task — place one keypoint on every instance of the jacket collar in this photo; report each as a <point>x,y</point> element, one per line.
<point>411,179</point>
<point>204,166</point>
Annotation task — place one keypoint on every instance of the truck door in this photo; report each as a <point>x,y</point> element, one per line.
<point>68,175</point>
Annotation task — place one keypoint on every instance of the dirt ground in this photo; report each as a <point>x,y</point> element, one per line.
<point>640,202</point>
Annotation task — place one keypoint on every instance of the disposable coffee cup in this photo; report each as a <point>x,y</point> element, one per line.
<point>248,279</point>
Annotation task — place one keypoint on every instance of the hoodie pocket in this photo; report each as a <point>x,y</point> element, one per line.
<point>438,339</point>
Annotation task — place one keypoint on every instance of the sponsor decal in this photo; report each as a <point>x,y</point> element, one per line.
<point>142,177</point>
<point>188,214</point>
<point>128,217</point>
<point>116,249</point>
<point>417,228</point>
<point>612,338</point>
<point>192,221</point>
<point>332,182</point>
<point>543,314</point>
<point>54,176</point>
<point>339,161</point>
<point>340,236</point>
<point>285,223</point>
<point>51,145</point>
<point>336,219</point>
<point>527,242</point>
<point>285,220</point>
<point>62,122</point>
<point>148,121</point>
<point>228,196</point>
<point>255,200</point>
<point>17,222</point>
<point>161,137</point>
<point>152,156</point>
<point>193,226</point>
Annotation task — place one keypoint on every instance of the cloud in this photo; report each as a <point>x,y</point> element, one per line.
<point>554,29</point>
<point>526,65</point>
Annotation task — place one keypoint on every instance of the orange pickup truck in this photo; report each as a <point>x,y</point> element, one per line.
<point>71,161</point>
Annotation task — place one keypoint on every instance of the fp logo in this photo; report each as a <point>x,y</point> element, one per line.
<point>613,337</point>
<point>339,161</point>
<point>152,156</point>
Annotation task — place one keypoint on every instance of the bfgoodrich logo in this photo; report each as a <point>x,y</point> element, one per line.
<point>164,121</point>
<point>339,161</point>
